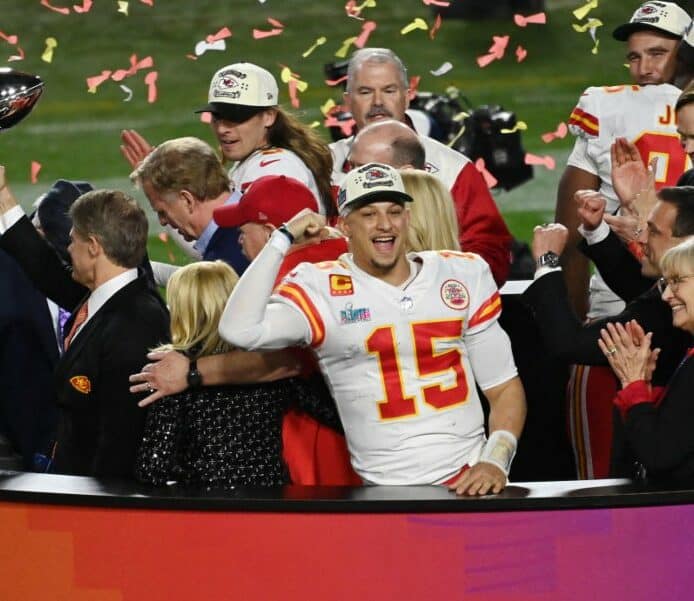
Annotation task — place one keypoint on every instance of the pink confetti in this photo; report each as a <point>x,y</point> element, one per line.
<point>521,53</point>
<point>151,82</point>
<point>335,82</point>
<point>560,132</point>
<point>293,93</point>
<point>414,84</point>
<point>10,39</point>
<point>489,179</point>
<point>222,34</point>
<point>485,59</point>
<point>275,22</point>
<point>436,3</point>
<point>85,8</point>
<point>496,50</point>
<point>435,27</point>
<point>366,30</point>
<point>258,34</point>
<point>62,10</point>
<point>164,237</point>
<point>94,82</point>
<point>206,117</point>
<point>533,159</point>
<point>345,126</point>
<point>135,66</point>
<point>537,19</point>
<point>192,57</point>
<point>148,2</point>
<point>35,168</point>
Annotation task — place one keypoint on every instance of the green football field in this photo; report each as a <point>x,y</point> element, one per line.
<point>74,134</point>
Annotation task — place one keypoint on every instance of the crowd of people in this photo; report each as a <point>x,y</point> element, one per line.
<point>340,321</point>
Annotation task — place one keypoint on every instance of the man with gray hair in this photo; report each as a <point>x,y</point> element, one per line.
<point>378,89</point>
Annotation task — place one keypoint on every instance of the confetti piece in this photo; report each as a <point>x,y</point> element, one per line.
<point>335,82</point>
<point>163,236</point>
<point>259,34</point>
<point>520,126</point>
<point>342,52</point>
<point>13,40</point>
<point>536,19</point>
<point>418,23</point>
<point>222,34</point>
<point>366,30</point>
<point>94,82</point>
<point>444,68</point>
<point>345,126</point>
<point>495,52</point>
<point>151,82</point>
<point>135,66</point>
<point>328,106</point>
<point>435,27</point>
<point>533,159</point>
<point>294,84</point>
<point>489,179</point>
<point>414,84</point>
<point>319,42</point>
<point>35,168</point>
<point>589,24</point>
<point>436,3</point>
<point>203,46</point>
<point>47,55</point>
<point>10,39</point>
<point>61,10</point>
<point>314,124</point>
<point>582,11</point>
<point>123,7</point>
<point>85,8</point>
<point>521,53</point>
<point>595,47</point>
<point>560,132</point>
<point>353,10</point>
<point>206,117</point>
<point>275,22</point>
<point>128,93</point>
<point>148,2</point>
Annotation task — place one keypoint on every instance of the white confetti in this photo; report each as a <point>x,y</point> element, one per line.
<point>129,93</point>
<point>445,68</point>
<point>203,46</point>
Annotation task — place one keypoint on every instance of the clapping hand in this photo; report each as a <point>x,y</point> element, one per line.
<point>628,351</point>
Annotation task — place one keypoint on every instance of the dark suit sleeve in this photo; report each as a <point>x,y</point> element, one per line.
<point>121,421</point>
<point>565,336</point>
<point>618,267</point>
<point>661,437</point>
<point>42,264</point>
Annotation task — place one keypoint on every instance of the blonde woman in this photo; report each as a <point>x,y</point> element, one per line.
<point>216,436</point>
<point>433,224</point>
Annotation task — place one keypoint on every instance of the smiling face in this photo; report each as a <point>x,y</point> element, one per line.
<point>658,238</point>
<point>652,57</point>
<point>239,140</point>
<point>376,92</point>
<point>173,210</point>
<point>685,128</point>
<point>377,235</point>
<point>679,294</point>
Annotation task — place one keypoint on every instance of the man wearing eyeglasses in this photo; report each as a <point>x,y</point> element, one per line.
<point>669,223</point>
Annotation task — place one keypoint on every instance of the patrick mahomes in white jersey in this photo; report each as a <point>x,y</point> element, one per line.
<point>402,341</point>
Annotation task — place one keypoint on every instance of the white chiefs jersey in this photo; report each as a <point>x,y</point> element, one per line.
<point>645,115</point>
<point>399,360</point>
<point>272,161</point>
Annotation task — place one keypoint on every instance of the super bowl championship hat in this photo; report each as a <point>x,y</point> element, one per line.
<point>686,49</point>
<point>666,17</point>
<point>240,91</point>
<point>270,199</point>
<point>369,183</point>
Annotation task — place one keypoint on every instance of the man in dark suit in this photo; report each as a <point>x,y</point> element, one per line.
<point>670,221</point>
<point>115,319</point>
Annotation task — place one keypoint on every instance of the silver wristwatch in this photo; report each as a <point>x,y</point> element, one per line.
<point>549,259</point>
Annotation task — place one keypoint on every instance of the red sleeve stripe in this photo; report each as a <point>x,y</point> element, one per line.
<point>585,121</point>
<point>489,310</point>
<point>295,294</point>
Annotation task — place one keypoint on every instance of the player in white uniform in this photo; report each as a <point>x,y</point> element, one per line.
<point>644,115</point>
<point>401,339</point>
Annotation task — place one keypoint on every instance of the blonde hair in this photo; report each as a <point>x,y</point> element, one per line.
<point>433,224</point>
<point>679,260</point>
<point>196,295</point>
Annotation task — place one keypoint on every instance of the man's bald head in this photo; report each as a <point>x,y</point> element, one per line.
<point>390,142</point>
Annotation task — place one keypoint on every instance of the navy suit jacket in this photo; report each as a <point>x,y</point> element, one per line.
<point>224,245</point>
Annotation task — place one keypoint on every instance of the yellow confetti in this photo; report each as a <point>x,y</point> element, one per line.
<point>589,24</point>
<point>328,106</point>
<point>582,11</point>
<point>123,7</point>
<point>47,55</point>
<point>315,124</point>
<point>595,48</point>
<point>342,52</point>
<point>418,23</point>
<point>319,42</point>
<point>520,126</point>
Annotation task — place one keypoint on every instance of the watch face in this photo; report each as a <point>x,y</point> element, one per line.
<point>549,259</point>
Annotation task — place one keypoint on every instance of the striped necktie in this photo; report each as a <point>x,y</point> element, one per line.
<point>80,318</point>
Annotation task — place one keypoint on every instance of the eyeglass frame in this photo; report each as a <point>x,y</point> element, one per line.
<point>673,283</point>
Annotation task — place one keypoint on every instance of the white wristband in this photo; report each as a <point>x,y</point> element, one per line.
<point>500,450</point>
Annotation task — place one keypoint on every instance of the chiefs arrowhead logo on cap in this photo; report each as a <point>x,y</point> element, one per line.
<point>81,384</point>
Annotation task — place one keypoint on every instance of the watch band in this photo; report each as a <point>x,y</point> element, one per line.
<point>549,259</point>
<point>194,377</point>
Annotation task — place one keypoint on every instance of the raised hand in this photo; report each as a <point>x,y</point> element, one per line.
<point>549,237</point>
<point>134,147</point>
<point>591,208</point>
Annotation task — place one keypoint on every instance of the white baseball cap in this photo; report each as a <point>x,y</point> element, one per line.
<point>373,182</point>
<point>666,17</point>
<point>686,49</point>
<point>239,91</point>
